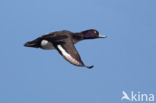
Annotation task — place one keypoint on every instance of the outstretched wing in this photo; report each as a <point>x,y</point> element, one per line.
<point>68,51</point>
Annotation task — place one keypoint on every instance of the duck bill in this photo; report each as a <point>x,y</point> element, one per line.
<point>102,36</point>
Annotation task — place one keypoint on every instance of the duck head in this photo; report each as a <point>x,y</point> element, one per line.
<point>92,34</point>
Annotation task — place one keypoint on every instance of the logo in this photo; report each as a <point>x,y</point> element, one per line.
<point>137,96</point>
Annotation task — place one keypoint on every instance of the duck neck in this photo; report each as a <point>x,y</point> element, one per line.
<point>77,37</point>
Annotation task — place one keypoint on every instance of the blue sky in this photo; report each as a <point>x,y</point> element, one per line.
<point>123,61</point>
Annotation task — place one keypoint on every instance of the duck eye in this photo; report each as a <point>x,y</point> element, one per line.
<point>94,32</point>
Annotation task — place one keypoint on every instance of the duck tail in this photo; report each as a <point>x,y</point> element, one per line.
<point>32,44</point>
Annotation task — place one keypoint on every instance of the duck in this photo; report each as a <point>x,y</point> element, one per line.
<point>63,41</point>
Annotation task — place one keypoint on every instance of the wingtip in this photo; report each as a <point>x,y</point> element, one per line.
<point>90,67</point>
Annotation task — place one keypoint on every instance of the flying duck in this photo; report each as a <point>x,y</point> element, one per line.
<point>63,42</point>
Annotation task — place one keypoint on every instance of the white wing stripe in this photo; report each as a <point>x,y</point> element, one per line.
<point>68,56</point>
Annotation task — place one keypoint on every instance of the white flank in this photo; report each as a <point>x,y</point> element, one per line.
<point>47,45</point>
<point>68,56</point>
